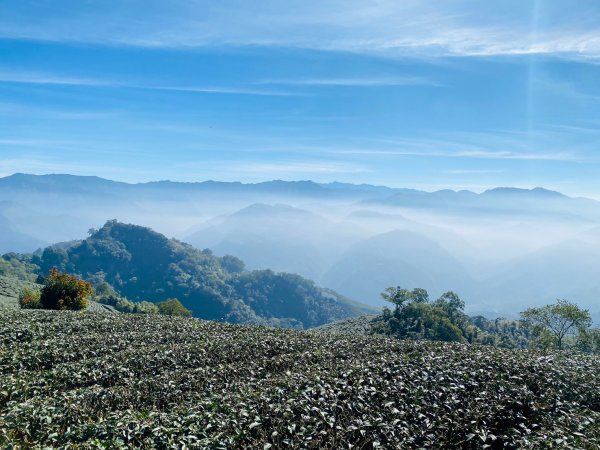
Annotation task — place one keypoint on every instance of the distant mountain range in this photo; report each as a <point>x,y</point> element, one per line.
<point>81,186</point>
<point>499,249</point>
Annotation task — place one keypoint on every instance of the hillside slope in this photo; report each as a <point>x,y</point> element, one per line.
<point>396,258</point>
<point>144,265</point>
<point>9,292</point>
<point>84,380</point>
<point>278,237</point>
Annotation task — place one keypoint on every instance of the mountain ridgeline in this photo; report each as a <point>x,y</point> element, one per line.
<point>499,249</point>
<point>142,264</point>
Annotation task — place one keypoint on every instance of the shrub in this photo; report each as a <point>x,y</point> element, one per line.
<point>145,307</point>
<point>64,291</point>
<point>29,298</point>
<point>173,307</point>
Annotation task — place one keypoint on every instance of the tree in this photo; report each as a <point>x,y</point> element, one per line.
<point>453,305</point>
<point>401,297</point>
<point>558,320</point>
<point>416,318</point>
<point>173,307</point>
<point>419,295</point>
<point>63,291</point>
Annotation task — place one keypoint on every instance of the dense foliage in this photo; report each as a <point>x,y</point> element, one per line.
<point>170,307</point>
<point>18,266</point>
<point>416,317</point>
<point>555,323</point>
<point>73,380</point>
<point>173,307</point>
<point>64,291</point>
<point>139,264</point>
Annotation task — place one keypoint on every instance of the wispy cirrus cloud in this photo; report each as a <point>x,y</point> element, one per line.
<point>59,80</point>
<point>297,168</point>
<point>384,27</point>
<point>354,82</point>
<point>473,171</point>
<point>467,153</point>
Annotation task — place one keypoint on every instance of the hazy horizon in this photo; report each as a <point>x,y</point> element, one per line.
<point>304,180</point>
<point>498,249</point>
<point>422,94</point>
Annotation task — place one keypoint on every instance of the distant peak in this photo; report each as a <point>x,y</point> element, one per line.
<point>263,208</point>
<point>538,192</point>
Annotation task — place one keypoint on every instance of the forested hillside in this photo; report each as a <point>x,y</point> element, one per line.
<point>141,264</point>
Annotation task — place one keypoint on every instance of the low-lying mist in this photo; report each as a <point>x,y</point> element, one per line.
<point>501,251</point>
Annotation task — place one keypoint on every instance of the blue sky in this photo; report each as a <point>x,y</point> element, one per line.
<point>425,94</point>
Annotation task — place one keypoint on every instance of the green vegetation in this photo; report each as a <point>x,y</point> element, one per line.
<point>121,304</point>
<point>416,317</point>
<point>14,265</point>
<point>129,265</point>
<point>29,298</point>
<point>11,288</point>
<point>72,380</point>
<point>63,291</point>
<point>588,341</point>
<point>173,307</point>
<point>557,322</point>
<point>560,326</point>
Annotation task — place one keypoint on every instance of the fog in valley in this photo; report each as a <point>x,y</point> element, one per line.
<point>500,250</point>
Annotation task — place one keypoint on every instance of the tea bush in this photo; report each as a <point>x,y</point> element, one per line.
<point>73,380</point>
<point>29,298</point>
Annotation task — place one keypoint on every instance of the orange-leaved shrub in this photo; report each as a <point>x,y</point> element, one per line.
<point>64,291</point>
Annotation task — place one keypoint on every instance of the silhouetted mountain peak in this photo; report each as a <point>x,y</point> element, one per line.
<point>535,192</point>
<point>263,210</point>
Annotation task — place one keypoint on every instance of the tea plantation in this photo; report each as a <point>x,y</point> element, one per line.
<point>85,380</point>
<point>9,292</point>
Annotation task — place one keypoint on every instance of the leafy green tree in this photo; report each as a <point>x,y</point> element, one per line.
<point>29,298</point>
<point>419,295</point>
<point>416,318</point>
<point>401,297</point>
<point>173,307</point>
<point>452,304</point>
<point>558,320</point>
<point>425,321</point>
<point>64,291</point>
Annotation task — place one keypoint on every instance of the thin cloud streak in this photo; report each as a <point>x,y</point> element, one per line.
<point>91,82</point>
<point>473,171</point>
<point>310,167</point>
<point>355,82</point>
<point>476,154</point>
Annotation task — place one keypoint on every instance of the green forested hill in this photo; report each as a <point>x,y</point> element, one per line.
<point>141,264</point>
